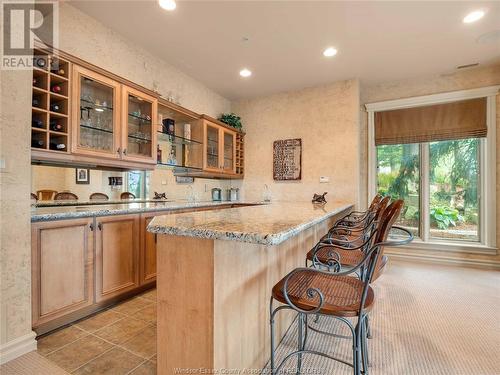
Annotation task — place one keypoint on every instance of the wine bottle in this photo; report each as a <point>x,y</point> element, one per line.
<point>57,146</point>
<point>35,81</point>
<point>56,88</point>
<point>40,62</point>
<point>37,123</point>
<point>54,107</point>
<point>38,143</point>
<point>56,126</point>
<point>35,102</point>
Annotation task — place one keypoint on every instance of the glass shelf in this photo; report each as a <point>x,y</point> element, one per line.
<point>95,128</point>
<point>141,119</point>
<point>164,137</point>
<point>179,166</point>
<point>94,106</point>
<point>136,137</point>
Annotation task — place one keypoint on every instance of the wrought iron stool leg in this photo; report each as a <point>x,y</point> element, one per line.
<point>271,322</point>
<point>300,340</point>
<point>357,348</point>
<point>364,347</point>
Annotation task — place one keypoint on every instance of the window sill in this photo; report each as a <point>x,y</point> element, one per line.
<point>454,247</point>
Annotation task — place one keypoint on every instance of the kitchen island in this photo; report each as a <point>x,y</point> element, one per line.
<point>215,272</point>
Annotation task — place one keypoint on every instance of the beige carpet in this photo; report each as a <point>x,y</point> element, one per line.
<point>428,320</point>
<point>31,364</point>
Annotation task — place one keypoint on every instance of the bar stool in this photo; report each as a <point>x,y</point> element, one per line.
<point>345,244</point>
<point>46,195</point>
<point>127,195</point>
<point>338,295</point>
<point>65,195</point>
<point>98,197</point>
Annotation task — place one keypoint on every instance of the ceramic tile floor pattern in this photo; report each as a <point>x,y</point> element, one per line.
<point>117,341</point>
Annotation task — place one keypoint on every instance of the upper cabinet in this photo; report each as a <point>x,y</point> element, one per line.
<point>219,148</point>
<point>139,135</point>
<point>96,122</point>
<point>112,120</point>
<point>84,115</point>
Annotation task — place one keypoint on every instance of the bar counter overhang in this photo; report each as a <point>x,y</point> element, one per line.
<point>215,272</point>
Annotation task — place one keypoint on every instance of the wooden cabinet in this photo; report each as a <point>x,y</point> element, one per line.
<point>219,148</point>
<point>112,120</point>
<point>62,268</point>
<point>96,122</point>
<point>117,255</point>
<point>138,133</point>
<point>148,251</point>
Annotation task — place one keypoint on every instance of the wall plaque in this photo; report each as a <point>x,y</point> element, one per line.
<point>287,159</point>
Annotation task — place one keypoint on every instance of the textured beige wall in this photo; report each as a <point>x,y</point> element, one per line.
<point>15,253</point>
<point>327,120</point>
<point>467,79</point>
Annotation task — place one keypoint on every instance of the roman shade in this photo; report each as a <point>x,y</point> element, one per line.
<point>456,120</point>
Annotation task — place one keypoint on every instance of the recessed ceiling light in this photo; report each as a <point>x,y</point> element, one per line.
<point>329,52</point>
<point>245,72</point>
<point>167,4</point>
<point>474,16</point>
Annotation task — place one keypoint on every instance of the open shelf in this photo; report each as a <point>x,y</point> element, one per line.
<point>50,128</point>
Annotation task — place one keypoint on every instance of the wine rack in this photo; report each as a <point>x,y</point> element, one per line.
<point>50,102</point>
<point>240,156</point>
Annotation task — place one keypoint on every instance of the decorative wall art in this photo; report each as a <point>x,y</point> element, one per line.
<point>82,176</point>
<point>287,160</point>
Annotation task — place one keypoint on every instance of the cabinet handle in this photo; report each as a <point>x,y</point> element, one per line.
<point>119,151</point>
<point>99,225</point>
<point>124,151</point>
<point>91,227</point>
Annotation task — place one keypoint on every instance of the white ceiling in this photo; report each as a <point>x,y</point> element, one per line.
<point>377,41</point>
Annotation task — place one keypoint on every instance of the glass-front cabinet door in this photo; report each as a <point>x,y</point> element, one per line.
<point>212,147</point>
<point>229,146</point>
<point>96,129</point>
<point>139,135</point>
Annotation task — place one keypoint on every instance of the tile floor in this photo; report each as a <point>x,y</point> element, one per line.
<point>117,341</point>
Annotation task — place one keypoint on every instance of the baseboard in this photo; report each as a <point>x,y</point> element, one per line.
<point>490,264</point>
<point>17,347</point>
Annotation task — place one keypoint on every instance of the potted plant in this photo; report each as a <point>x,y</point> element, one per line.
<point>232,120</point>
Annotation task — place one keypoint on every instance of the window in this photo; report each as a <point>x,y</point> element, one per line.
<point>138,183</point>
<point>448,184</point>
<point>452,186</point>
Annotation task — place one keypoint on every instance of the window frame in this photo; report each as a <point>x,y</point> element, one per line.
<point>487,178</point>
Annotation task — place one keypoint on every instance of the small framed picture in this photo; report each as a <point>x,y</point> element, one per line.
<point>82,176</point>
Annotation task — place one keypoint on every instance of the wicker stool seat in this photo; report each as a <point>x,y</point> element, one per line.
<point>342,294</point>
<point>345,257</point>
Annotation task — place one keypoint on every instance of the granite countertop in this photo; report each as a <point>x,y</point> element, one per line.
<point>268,224</point>
<point>95,202</point>
<point>74,212</point>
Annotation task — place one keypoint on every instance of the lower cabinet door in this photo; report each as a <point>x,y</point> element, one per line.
<point>148,252</point>
<point>117,255</point>
<point>62,268</point>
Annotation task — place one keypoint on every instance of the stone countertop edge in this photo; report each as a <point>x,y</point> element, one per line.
<point>98,211</point>
<point>248,237</point>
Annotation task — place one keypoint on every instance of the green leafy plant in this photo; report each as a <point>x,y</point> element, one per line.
<point>444,217</point>
<point>232,120</point>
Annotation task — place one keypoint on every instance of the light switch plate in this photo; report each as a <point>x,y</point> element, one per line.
<point>324,179</point>
<point>163,182</point>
